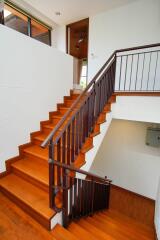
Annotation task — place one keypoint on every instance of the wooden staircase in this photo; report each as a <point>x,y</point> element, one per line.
<point>26,181</point>
<point>105,225</point>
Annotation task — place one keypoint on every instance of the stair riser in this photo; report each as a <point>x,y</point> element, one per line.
<point>63,110</point>
<point>68,103</point>
<point>38,217</point>
<point>37,142</point>
<point>47,130</point>
<point>55,120</point>
<point>36,158</point>
<point>30,179</point>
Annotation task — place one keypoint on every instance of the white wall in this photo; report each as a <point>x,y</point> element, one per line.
<point>137,23</point>
<point>137,108</point>
<point>34,78</point>
<point>59,37</point>
<point>124,158</point>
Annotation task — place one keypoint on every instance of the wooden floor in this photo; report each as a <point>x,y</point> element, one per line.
<point>110,225</point>
<point>15,224</point>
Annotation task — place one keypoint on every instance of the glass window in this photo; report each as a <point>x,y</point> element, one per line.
<point>20,21</point>
<point>15,20</point>
<point>83,79</point>
<point>40,32</point>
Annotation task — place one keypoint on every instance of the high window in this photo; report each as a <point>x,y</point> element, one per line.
<point>21,21</point>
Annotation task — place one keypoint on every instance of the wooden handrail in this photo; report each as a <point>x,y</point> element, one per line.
<point>77,170</point>
<point>138,47</point>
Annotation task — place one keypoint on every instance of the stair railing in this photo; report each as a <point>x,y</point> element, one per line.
<point>82,196</point>
<point>77,124</point>
<point>67,138</point>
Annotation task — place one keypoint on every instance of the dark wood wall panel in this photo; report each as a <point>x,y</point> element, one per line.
<point>133,205</point>
<point>78,30</point>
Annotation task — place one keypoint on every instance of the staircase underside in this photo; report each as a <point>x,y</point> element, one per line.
<point>26,181</point>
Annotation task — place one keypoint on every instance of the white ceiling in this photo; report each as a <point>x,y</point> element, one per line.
<point>73,10</point>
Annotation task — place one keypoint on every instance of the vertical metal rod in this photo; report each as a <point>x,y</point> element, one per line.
<point>71,198</point>
<point>120,73</point>
<point>137,73</point>
<point>68,145</point>
<point>51,175</point>
<point>149,69</point>
<point>143,70</point>
<point>65,200</point>
<point>77,134</point>
<point>73,141</point>
<point>131,73</point>
<point>64,147</point>
<point>125,73</point>
<point>155,72</point>
<point>59,160</point>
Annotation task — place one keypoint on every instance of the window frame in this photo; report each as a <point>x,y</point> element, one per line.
<point>29,17</point>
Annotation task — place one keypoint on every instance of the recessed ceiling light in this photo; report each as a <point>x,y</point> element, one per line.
<point>57,13</point>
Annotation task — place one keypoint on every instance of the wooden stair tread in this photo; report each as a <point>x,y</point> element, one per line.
<point>60,233</point>
<point>79,231</point>
<point>94,230</point>
<point>37,151</point>
<point>27,193</point>
<point>34,169</point>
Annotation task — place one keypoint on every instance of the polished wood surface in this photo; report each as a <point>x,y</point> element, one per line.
<point>132,205</point>
<point>27,177</point>
<point>105,225</point>
<point>77,38</point>
<point>15,224</point>
<point>147,94</point>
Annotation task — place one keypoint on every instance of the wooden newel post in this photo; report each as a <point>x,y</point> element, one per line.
<point>1,12</point>
<point>65,199</point>
<point>107,193</point>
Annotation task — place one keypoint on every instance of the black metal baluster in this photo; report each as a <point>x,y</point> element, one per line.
<point>125,73</point>
<point>149,69</point>
<point>137,73</point>
<point>120,74</point>
<point>68,145</point>
<point>155,72</point>
<point>71,198</point>
<point>59,160</point>
<point>51,175</point>
<point>142,72</point>
<point>73,141</point>
<point>65,200</point>
<point>75,198</point>
<point>64,147</point>
<point>80,128</point>
<point>131,73</point>
<point>77,135</point>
